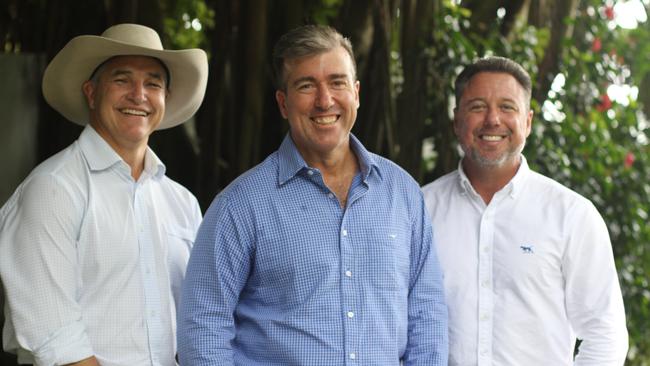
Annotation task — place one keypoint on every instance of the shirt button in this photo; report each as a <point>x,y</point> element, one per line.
<point>485,317</point>
<point>484,352</point>
<point>310,172</point>
<point>348,273</point>
<point>353,356</point>
<point>148,270</point>
<point>486,249</point>
<point>485,283</point>
<point>345,232</point>
<point>350,314</point>
<point>152,314</point>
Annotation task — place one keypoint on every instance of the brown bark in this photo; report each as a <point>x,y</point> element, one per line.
<point>416,36</point>
<point>557,12</point>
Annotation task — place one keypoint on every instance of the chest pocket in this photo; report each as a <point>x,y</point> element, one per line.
<point>179,245</point>
<point>387,257</point>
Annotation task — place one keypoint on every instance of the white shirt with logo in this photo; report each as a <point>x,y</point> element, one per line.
<point>526,274</point>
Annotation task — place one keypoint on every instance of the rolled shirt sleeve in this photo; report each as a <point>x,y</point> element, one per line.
<point>38,269</point>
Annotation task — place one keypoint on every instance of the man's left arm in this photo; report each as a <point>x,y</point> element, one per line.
<point>592,293</point>
<point>428,341</point>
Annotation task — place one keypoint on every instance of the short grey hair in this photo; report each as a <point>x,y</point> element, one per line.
<point>304,41</point>
<point>493,64</point>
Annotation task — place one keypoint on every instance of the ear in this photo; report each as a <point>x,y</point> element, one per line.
<point>357,86</point>
<point>281,98</point>
<point>455,122</point>
<point>88,88</point>
<point>529,122</point>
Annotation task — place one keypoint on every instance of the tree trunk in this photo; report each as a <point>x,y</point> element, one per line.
<point>560,29</point>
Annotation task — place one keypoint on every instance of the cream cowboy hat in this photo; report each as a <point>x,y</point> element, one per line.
<point>74,64</point>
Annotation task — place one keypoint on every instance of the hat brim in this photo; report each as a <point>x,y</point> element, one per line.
<point>73,65</point>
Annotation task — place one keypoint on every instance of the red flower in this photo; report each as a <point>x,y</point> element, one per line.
<point>609,12</point>
<point>629,160</point>
<point>605,103</point>
<point>597,44</point>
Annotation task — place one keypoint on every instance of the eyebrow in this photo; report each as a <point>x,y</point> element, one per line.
<point>480,99</point>
<point>155,75</point>
<point>312,79</point>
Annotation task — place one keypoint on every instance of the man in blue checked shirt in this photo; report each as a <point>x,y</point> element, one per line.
<point>323,253</point>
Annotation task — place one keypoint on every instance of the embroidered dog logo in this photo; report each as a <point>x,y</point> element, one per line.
<point>527,249</point>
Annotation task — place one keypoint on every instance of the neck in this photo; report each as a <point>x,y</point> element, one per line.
<point>487,181</point>
<point>338,170</point>
<point>132,154</point>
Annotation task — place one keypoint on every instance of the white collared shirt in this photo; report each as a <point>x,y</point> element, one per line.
<point>92,260</point>
<point>526,274</point>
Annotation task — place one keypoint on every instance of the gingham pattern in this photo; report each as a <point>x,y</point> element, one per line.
<point>281,275</point>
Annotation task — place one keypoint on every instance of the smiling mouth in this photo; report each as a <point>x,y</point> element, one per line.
<point>134,112</point>
<point>492,137</point>
<point>325,120</point>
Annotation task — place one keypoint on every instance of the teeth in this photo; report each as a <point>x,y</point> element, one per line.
<point>134,112</point>
<point>325,120</point>
<point>492,137</point>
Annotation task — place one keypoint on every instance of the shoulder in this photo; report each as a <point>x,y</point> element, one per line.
<point>63,172</point>
<point>253,185</point>
<point>56,187</point>
<point>394,174</point>
<point>442,185</point>
<point>553,191</point>
<point>564,203</point>
<point>177,190</point>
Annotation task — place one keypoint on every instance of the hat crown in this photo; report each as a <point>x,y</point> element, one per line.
<point>134,34</point>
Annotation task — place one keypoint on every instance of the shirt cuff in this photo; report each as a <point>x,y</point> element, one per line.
<point>67,345</point>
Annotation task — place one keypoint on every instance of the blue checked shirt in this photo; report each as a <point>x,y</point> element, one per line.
<point>280,274</point>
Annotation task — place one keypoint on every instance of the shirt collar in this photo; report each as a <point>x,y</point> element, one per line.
<point>513,187</point>
<point>100,155</point>
<point>291,162</point>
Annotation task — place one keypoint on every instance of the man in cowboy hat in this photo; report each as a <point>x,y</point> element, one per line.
<point>95,241</point>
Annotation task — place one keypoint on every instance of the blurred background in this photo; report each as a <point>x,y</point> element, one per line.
<point>589,59</point>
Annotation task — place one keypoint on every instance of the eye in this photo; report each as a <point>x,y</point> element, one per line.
<point>305,87</point>
<point>508,107</point>
<point>477,107</point>
<point>155,85</point>
<point>120,81</point>
<point>339,84</point>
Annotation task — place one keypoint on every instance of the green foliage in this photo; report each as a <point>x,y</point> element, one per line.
<point>187,22</point>
<point>600,149</point>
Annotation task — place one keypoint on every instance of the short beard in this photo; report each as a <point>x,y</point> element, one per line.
<point>475,156</point>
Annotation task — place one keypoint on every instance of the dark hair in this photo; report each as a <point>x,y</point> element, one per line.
<point>304,41</point>
<point>493,64</point>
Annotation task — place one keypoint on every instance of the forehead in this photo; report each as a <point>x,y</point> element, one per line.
<point>494,84</point>
<point>133,63</point>
<point>335,61</point>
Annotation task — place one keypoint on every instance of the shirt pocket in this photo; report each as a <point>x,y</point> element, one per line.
<point>179,245</point>
<point>387,258</point>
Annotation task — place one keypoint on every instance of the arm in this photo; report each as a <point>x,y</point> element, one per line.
<point>38,267</point>
<point>428,342</point>
<point>216,273</point>
<point>593,297</point>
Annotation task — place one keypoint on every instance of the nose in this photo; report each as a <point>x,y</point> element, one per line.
<point>492,117</point>
<point>324,99</point>
<point>137,93</point>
